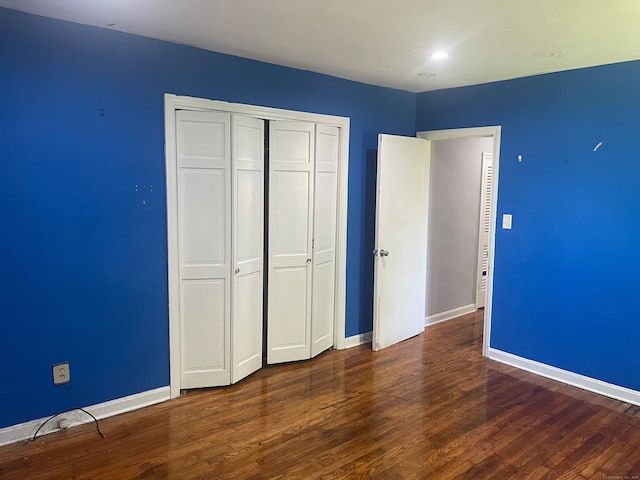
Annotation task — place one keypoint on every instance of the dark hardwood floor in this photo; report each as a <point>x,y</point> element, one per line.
<point>429,408</point>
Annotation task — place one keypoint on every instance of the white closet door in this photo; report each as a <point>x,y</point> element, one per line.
<point>248,245</point>
<point>485,225</point>
<point>324,244</point>
<point>204,237</point>
<point>291,152</point>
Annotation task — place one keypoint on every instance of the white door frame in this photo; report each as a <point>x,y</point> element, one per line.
<point>172,103</point>
<point>477,132</point>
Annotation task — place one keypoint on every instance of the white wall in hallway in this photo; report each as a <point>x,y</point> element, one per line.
<point>454,207</point>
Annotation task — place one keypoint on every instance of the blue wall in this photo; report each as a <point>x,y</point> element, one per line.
<point>567,275</point>
<point>83,269</point>
<point>83,254</point>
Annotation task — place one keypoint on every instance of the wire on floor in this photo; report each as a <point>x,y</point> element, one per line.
<point>65,411</point>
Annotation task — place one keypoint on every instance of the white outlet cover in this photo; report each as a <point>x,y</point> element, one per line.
<point>61,373</point>
<point>506,221</point>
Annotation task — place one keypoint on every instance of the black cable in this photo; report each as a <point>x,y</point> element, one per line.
<point>65,411</point>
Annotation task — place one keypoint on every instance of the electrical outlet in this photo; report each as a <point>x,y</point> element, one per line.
<point>61,373</point>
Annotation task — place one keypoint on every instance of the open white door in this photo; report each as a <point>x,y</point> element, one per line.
<point>291,169</point>
<point>248,245</point>
<point>324,243</point>
<point>401,239</point>
<point>485,226</point>
<point>204,237</point>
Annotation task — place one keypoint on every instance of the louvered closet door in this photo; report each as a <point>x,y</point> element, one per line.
<point>291,172</point>
<point>324,244</point>
<point>485,225</point>
<point>204,237</point>
<point>248,245</point>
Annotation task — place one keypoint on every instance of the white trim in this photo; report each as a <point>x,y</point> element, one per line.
<point>175,102</point>
<point>449,314</point>
<point>565,376</point>
<point>495,132</point>
<point>24,431</point>
<point>356,340</point>
<point>173,265</point>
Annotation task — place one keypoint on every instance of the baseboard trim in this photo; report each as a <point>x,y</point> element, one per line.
<point>449,314</point>
<point>356,340</point>
<point>570,378</point>
<point>24,431</point>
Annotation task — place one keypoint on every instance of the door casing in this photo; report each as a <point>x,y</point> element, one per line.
<point>475,132</point>
<point>173,103</point>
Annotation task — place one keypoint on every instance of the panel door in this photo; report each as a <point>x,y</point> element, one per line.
<point>204,237</point>
<point>291,172</point>
<point>324,242</point>
<point>485,225</point>
<point>248,245</point>
<point>401,239</point>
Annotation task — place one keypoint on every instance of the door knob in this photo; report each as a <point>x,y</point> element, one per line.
<point>384,253</point>
<point>237,270</point>
<point>375,253</point>
<point>308,260</point>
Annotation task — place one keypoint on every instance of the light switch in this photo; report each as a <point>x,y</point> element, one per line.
<point>506,221</point>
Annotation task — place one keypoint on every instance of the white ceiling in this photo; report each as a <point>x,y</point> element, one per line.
<point>381,42</point>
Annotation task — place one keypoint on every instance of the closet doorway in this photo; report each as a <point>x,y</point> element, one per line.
<point>214,249</point>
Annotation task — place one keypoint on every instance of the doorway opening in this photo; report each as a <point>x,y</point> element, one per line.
<point>462,222</point>
<point>177,105</point>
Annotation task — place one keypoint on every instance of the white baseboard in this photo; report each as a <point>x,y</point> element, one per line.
<point>356,340</point>
<point>587,383</point>
<point>23,431</point>
<point>449,314</point>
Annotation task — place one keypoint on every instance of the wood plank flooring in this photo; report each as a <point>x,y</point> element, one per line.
<point>429,408</point>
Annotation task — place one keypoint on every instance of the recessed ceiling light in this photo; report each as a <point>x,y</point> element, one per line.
<point>439,56</point>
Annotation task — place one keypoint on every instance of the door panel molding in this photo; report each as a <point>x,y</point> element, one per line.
<point>291,199</point>
<point>204,192</point>
<point>324,218</point>
<point>247,213</point>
